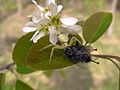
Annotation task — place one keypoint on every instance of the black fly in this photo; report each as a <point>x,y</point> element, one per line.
<point>78,53</point>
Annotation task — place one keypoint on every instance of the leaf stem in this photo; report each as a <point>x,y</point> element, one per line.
<point>108,57</point>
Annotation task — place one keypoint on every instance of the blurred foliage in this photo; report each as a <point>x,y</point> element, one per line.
<point>92,5</point>
<point>9,6</point>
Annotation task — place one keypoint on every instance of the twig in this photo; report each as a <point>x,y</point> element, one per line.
<point>118,69</point>
<point>7,67</point>
<point>107,56</point>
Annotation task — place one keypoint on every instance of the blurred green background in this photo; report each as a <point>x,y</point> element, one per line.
<point>13,16</point>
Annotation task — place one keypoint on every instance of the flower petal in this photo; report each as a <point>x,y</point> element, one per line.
<point>59,8</point>
<point>50,1</point>
<point>36,17</point>
<point>39,7</point>
<point>43,21</point>
<point>34,35</point>
<point>53,35</point>
<point>69,21</point>
<point>30,24</point>
<point>37,37</point>
<point>76,29</point>
<point>62,29</point>
<point>29,29</point>
<point>53,8</point>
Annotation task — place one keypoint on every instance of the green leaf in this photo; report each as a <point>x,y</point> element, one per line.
<point>22,86</point>
<point>39,60</point>
<point>21,48</point>
<point>96,25</point>
<point>28,55</point>
<point>2,80</point>
<point>23,69</point>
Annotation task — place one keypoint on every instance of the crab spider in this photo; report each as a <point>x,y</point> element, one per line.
<point>63,46</point>
<point>75,53</point>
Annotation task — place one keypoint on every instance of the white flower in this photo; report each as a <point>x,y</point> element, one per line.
<point>53,10</point>
<point>42,18</point>
<point>45,20</point>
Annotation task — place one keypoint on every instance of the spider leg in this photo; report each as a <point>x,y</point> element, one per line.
<point>72,40</point>
<point>52,51</point>
<point>45,47</point>
<point>94,61</point>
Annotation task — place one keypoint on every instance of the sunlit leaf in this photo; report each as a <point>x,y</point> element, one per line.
<point>39,60</point>
<point>22,86</point>
<point>23,69</point>
<point>21,48</point>
<point>2,80</point>
<point>96,25</point>
<point>27,54</point>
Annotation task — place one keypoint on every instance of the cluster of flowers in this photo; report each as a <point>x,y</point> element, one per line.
<point>47,21</point>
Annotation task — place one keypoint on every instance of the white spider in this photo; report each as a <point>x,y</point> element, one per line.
<point>62,46</point>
